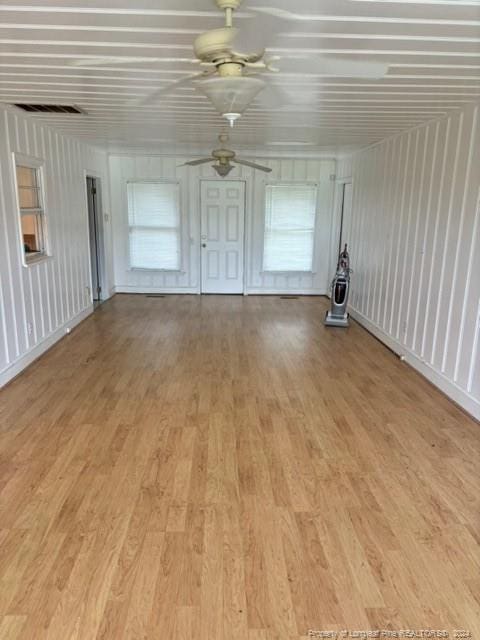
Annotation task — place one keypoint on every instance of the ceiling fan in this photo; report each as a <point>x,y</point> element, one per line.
<point>230,78</point>
<point>223,158</point>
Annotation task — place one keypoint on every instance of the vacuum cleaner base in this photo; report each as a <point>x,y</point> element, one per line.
<point>336,321</point>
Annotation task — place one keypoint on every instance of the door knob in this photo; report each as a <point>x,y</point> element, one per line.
<point>203,245</point>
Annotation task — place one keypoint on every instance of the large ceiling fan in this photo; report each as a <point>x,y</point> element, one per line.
<point>230,78</point>
<point>223,158</point>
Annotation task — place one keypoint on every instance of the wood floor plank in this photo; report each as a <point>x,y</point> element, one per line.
<point>221,467</point>
<point>11,627</point>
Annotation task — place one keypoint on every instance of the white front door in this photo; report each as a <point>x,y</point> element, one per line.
<point>222,231</point>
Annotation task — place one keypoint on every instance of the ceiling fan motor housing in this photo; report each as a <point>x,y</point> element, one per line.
<point>212,46</point>
<point>228,4</point>
<point>223,155</point>
<point>215,47</point>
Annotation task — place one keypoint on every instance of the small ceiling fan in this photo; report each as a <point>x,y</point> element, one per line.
<point>229,80</point>
<point>223,158</point>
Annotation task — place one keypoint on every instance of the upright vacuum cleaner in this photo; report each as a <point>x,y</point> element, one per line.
<point>338,316</point>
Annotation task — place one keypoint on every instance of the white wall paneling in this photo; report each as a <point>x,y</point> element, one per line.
<point>40,301</point>
<point>415,249</point>
<point>124,168</point>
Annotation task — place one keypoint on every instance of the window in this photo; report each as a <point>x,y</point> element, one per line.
<point>289,227</point>
<point>154,222</point>
<point>32,214</point>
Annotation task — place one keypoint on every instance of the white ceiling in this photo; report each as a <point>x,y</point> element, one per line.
<point>432,48</point>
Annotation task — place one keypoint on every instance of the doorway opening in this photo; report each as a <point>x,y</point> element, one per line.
<point>95,228</point>
<point>346,216</point>
<point>222,236</point>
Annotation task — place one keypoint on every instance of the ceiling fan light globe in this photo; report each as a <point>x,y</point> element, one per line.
<point>231,95</point>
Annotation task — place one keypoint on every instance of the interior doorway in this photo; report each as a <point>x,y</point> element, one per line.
<point>346,216</point>
<point>222,236</point>
<point>95,234</point>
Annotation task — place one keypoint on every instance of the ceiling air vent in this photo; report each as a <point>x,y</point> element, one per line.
<point>50,108</point>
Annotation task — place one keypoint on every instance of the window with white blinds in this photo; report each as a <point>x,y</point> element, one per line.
<point>154,223</point>
<point>32,213</point>
<point>290,211</point>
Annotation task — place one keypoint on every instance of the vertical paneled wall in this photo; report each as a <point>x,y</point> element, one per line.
<point>415,249</point>
<point>38,302</point>
<point>123,168</point>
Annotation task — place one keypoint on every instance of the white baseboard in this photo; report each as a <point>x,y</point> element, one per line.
<point>21,363</point>
<point>285,292</point>
<point>110,294</point>
<point>449,388</point>
<point>248,292</point>
<point>147,290</point>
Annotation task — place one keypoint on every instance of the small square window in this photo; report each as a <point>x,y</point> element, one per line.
<point>32,214</point>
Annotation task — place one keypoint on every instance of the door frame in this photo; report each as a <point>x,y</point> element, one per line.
<point>342,212</point>
<point>99,220</point>
<point>245,219</point>
<point>337,222</point>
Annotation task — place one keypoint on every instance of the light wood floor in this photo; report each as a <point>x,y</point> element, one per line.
<point>226,468</point>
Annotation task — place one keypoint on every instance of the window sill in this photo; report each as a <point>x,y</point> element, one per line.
<point>34,260</point>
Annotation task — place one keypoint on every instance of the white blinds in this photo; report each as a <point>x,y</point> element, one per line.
<point>154,222</point>
<point>289,227</point>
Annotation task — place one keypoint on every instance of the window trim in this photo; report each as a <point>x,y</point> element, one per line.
<point>292,183</point>
<point>38,164</point>
<point>174,181</point>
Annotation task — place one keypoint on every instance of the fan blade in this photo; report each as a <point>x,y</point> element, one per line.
<point>276,13</point>
<point>277,98</point>
<point>332,66</point>
<point>266,34</point>
<point>251,42</point>
<point>272,97</point>
<point>100,62</point>
<point>173,85</point>
<point>193,163</point>
<point>247,163</point>
<point>277,101</point>
<point>289,118</point>
<point>309,7</point>
<point>368,69</point>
